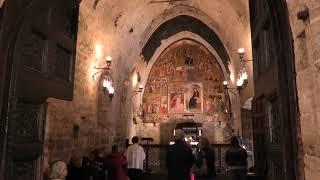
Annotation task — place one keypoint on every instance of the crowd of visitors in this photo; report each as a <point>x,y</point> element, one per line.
<point>182,164</point>
<point>123,164</point>
<point>118,165</point>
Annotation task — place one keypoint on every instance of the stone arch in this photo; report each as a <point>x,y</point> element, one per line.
<point>182,18</point>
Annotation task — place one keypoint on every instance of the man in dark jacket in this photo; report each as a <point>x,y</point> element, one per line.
<point>179,158</point>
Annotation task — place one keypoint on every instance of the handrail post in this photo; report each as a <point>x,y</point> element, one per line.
<point>220,159</point>
<point>147,158</point>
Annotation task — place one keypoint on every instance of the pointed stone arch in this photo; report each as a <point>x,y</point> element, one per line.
<point>183,19</point>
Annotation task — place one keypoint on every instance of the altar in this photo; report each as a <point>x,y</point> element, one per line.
<point>192,130</point>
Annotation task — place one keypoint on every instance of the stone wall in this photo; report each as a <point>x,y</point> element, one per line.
<point>306,35</point>
<point>73,128</point>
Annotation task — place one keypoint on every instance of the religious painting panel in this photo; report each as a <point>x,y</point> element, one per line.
<point>152,104</point>
<point>176,102</point>
<point>215,103</point>
<point>194,96</point>
<point>157,86</point>
<point>163,104</point>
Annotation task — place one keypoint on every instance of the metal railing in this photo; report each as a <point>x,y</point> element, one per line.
<point>155,162</point>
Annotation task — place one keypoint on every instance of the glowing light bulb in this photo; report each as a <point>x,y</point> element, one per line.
<point>245,75</point>
<point>108,59</point>
<point>239,82</point>
<point>140,87</point>
<point>225,83</point>
<point>111,90</point>
<point>106,83</point>
<point>241,50</point>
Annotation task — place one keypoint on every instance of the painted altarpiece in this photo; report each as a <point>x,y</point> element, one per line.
<point>185,79</point>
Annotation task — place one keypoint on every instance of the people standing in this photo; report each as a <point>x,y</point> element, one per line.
<point>116,164</point>
<point>98,165</point>
<point>204,163</point>
<point>135,157</point>
<point>75,171</point>
<point>179,159</point>
<point>236,159</point>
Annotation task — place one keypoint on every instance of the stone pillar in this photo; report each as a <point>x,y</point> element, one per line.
<point>313,33</point>
<point>308,81</point>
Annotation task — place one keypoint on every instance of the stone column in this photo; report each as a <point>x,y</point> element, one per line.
<point>309,93</point>
<point>313,32</point>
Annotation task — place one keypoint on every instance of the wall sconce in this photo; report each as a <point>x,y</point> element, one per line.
<point>140,113</point>
<point>107,83</point>
<point>226,83</point>
<point>135,92</point>
<point>241,52</point>
<point>242,75</point>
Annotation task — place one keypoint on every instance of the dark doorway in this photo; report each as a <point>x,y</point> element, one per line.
<point>37,47</point>
<point>275,109</point>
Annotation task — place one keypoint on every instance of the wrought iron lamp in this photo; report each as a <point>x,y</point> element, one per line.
<point>140,88</point>
<point>242,75</point>
<point>239,85</point>
<point>140,112</point>
<point>241,52</point>
<point>107,83</point>
<point>226,83</point>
